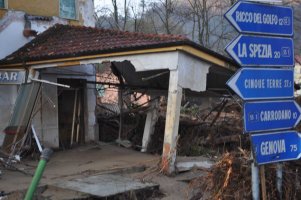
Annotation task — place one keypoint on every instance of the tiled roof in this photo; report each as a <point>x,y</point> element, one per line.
<point>65,41</point>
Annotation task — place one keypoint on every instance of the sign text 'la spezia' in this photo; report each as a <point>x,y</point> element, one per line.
<point>262,51</point>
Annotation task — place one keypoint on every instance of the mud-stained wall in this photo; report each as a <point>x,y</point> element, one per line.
<point>46,120</point>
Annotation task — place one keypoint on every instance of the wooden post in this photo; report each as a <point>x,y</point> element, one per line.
<point>120,103</point>
<point>171,124</point>
<point>263,183</point>
<point>78,119</point>
<point>73,118</point>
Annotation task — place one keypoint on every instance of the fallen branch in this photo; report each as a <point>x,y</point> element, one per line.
<point>227,139</point>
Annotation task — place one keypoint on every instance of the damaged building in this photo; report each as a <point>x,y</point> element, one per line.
<point>20,22</point>
<point>59,96</point>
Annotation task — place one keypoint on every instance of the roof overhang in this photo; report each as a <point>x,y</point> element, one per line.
<point>77,60</point>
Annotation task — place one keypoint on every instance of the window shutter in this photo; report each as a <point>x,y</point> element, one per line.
<point>2,4</point>
<point>68,9</point>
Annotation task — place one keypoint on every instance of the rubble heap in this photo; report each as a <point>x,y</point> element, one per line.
<point>230,179</point>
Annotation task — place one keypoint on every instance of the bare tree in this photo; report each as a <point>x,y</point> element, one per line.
<point>115,13</point>
<point>125,10</point>
<point>138,13</point>
<point>200,20</point>
<point>114,17</point>
<point>164,11</point>
<point>208,26</point>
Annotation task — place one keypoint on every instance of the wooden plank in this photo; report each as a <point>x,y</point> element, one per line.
<point>263,183</point>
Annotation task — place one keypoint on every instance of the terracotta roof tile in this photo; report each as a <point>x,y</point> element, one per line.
<point>65,41</point>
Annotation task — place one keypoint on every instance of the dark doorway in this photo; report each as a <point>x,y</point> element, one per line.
<point>71,112</point>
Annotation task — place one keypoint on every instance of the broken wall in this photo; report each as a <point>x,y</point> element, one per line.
<point>46,120</point>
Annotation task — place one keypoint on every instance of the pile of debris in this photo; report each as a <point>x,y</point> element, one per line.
<point>230,178</point>
<point>211,130</point>
<point>216,132</point>
<point>221,183</point>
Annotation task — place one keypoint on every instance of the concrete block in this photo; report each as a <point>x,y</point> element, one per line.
<point>189,163</point>
<point>50,137</point>
<point>106,185</point>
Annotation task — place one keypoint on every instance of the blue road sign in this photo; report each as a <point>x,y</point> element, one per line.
<point>261,51</point>
<point>256,18</point>
<point>263,83</point>
<point>276,147</point>
<point>271,115</point>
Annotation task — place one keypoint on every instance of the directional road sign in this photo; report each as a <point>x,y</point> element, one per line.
<point>271,115</point>
<point>263,83</point>
<point>260,51</point>
<point>256,18</point>
<point>275,147</point>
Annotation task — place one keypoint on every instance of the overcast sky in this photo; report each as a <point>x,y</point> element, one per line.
<point>108,3</point>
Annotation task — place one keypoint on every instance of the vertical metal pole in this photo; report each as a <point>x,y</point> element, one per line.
<point>279,179</point>
<point>36,139</point>
<point>255,181</point>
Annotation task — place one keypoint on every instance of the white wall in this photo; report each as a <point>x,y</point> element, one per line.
<point>11,31</point>
<point>193,72</point>
<point>11,38</point>
<point>46,121</point>
<point>12,26</point>
<point>8,95</point>
<point>86,10</point>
